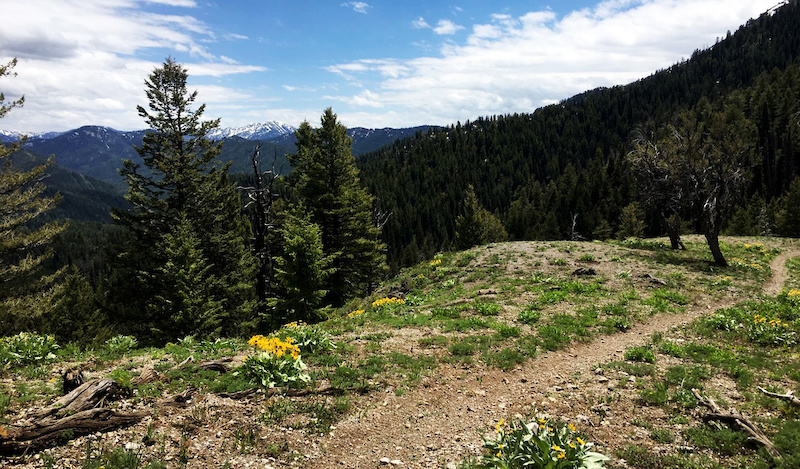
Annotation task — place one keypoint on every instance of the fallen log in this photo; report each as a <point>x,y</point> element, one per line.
<point>49,433</point>
<point>86,396</point>
<point>738,419</point>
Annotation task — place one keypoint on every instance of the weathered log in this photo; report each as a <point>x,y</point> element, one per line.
<point>86,396</point>
<point>788,397</point>
<point>52,432</point>
<point>740,420</point>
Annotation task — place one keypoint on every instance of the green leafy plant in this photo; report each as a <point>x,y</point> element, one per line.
<point>121,344</point>
<point>310,339</point>
<point>640,354</point>
<point>540,444</point>
<point>276,363</point>
<point>486,309</point>
<point>27,348</point>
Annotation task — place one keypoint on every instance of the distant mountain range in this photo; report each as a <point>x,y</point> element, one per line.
<point>87,158</point>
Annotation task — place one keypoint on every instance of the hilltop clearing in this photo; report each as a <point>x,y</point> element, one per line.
<point>610,337</point>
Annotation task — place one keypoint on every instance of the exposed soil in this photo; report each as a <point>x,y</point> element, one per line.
<point>442,420</point>
<point>435,424</point>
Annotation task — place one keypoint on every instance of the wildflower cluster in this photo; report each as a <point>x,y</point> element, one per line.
<point>738,262</point>
<point>275,346</point>
<point>388,301</point>
<point>767,331</point>
<point>276,363</point>
<point>755,247</point>
<point>758,319</point>
<point>542,443</point>
<point>793,296</point>
<point>435,262</point>
<point>722,281</point>
<point>355,313</point>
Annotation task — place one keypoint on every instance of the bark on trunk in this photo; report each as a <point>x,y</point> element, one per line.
<point>713,244</point>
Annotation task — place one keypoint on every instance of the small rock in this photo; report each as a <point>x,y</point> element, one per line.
<point>396,462</point>
<point>385,461</point>
<point>602,380</point>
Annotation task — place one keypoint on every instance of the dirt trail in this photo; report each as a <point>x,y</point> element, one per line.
<point>439,422</point>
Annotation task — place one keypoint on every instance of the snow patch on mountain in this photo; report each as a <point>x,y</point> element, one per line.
<point>260,131</point>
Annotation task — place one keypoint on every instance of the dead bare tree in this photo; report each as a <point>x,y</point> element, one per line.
<point>259,200</point>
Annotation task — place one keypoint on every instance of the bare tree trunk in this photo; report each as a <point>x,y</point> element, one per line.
<point>713,244</point>
<point>673,225</point>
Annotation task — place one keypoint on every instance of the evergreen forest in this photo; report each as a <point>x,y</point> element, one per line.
<point>709,145</point>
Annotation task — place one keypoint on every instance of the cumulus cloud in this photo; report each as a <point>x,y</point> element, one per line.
<point>80,61</point>
<point>446,27</point>
<point>518,63</point>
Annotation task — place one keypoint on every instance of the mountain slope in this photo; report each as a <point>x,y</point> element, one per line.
<point>82,197</point>
<point>559,172</point>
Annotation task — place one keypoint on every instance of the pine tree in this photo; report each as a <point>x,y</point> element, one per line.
<point>301,271</point>
<point>630,222</point>
<point>25,293</point>
<point>182,197</point>
<point>476,225</point>
<point>325,180</point>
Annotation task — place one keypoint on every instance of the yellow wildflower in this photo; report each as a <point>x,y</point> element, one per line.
<point>580,441</point>
<point>556,448</point>
<point>562,455</point>
<point>571,427</point>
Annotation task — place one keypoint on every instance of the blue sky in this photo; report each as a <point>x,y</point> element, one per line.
<point>377,63</point>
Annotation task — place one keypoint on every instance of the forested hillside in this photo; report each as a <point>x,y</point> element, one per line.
<point>561,172</point>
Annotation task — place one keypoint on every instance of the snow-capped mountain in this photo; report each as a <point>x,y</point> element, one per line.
<point>260,131</point>
<point>12,136</point>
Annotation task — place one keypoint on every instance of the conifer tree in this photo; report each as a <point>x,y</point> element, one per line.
<point>25,293</point>
<point>301,271</point>
<point>185,225</point>
<point>326,181</point>
<point>476,225</point>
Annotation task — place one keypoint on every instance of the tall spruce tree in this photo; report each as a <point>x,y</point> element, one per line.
<point>476,225</point>
<point>185,225</point>
<point>25,293</point>
<point>326,182</point>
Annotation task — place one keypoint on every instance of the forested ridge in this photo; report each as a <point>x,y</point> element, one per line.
<point>561,171</point>
<point>316,238</point>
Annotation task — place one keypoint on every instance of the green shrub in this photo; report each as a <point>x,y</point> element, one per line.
<point>276,363</point>
<point>640,354</point>
<point>27,348</point>
<point>121,344</point>
<point>310,339</point>
<point>542,444</point>
<point>486,309</point>
<point>530,315</point>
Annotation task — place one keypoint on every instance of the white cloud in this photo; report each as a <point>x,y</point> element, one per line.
<point>516,64</point>
<point>84,61</point>
<point>358,7</point>
<point>420,23</point>
<point>446,27</point>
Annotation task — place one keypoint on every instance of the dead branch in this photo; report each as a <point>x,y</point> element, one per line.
<point>740,420</point>
<point>788,397</point>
